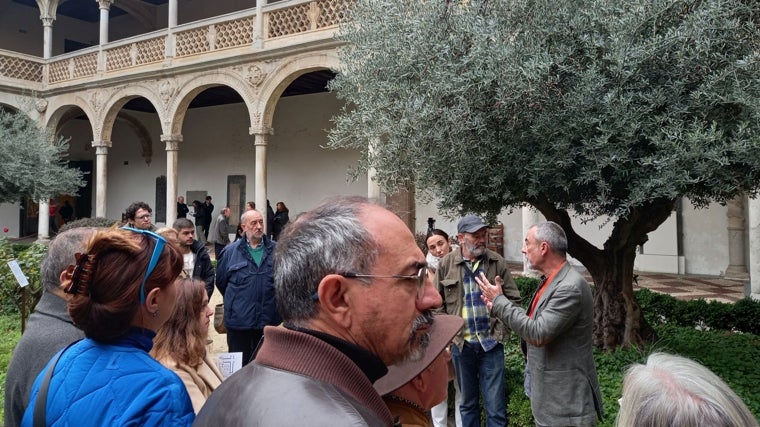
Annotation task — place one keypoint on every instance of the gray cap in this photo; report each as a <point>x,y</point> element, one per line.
<point>470,224</point>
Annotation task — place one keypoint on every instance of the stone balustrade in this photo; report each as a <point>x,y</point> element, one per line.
<point>187,44</point>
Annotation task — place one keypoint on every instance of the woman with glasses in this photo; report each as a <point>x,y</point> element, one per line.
<point>180,344</point>
<point>122,290</point>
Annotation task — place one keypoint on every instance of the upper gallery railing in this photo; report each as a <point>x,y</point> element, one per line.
<point>184,42</point>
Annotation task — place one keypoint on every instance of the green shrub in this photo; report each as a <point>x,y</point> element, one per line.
<point>10,333</point>
<point>527,287</point>
<point>89,222</point>
<point>29,258</point>
<point>661,308</point>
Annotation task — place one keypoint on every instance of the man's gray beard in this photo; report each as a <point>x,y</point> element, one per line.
<point>475,251</point>
<point>417,342</point>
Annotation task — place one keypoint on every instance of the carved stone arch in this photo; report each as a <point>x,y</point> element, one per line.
<point>192,87</point>
<point>62,112</point>
<point>113,111</point>
<point>123,95</point>
<point>16,102</point>
<point>283,75</point>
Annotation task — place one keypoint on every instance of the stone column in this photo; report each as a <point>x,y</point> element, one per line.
<point>260,141</point>
<point>101,176</point>
<point>529,219</point>
<point>737,268</point>
<point>105,7</point>
<point>754,248</point>
<point>43,221</point>
<point>172,13</point>
<point>172,155</point>
<point>258,26</point>
<point>47,36</point>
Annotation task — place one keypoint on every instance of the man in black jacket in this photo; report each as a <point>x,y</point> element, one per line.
<point>197,262</point>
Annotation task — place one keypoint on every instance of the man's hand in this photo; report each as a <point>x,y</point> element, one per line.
<point>488,291</point>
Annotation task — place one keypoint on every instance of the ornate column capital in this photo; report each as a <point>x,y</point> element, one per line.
<point>172,141</point>
<point>101,147</point>
<point>47,21</point>
<point>105,4</point>
<point>260,130</point>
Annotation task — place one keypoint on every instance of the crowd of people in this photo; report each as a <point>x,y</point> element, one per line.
<point>341,319</point>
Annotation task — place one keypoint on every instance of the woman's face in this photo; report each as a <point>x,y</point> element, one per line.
<point>438,246</point>
<point>206,313</point>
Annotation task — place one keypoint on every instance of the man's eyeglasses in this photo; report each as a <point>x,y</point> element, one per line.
<point>146,216</point>
<point>160,242</point>
<point>420,277</point>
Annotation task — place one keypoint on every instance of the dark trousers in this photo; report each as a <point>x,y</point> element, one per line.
<point>244,341</point>
<point>218,250</point>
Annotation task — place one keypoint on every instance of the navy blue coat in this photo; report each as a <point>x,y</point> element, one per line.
<point>248,289</point>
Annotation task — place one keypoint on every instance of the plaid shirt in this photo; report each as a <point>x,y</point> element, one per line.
<point>474,310</point>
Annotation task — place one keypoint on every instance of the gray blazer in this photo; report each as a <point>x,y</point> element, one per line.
<point>563,381</point>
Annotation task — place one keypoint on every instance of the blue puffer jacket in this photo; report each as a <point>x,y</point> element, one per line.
<point>117,384</point>
<point>248,289</point>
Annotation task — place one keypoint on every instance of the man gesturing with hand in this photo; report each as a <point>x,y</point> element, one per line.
<point>560,374</point>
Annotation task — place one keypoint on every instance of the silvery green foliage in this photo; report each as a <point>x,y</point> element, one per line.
<point>32,162</point>
<point>597,106</point>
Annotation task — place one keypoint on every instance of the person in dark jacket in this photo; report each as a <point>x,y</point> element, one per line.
<point>270,219</point>
<point>280,220</point>
<point>196,260</point>
<point>208,215</point>
<point>245,277</point>
<point>48,329</point>
<point>182,208</point>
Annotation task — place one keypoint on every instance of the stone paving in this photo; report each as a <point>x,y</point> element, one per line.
<point>683,287</point>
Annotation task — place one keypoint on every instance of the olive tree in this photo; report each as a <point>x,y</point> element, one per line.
<point>586,108</point>
<point>32,161</point>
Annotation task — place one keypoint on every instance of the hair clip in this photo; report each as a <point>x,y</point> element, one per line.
<point>79,275</point>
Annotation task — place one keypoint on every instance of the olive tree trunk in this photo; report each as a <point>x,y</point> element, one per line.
<point>618,319</point>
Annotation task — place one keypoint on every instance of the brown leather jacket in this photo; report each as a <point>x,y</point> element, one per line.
<point>296,380</point>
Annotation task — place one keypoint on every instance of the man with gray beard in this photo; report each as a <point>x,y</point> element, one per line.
<point>478,353</point>
<point>352,288</point>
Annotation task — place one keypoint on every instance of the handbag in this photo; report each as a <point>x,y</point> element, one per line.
<point>219,319</point>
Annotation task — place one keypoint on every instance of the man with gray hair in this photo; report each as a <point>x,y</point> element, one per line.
<point>353,292</point>
<point>672,390</point>
<point>560,374</point>
<point>478,352</point>
<point>49,327</point>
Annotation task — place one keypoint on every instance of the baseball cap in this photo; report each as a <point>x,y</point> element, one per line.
<point>470,224</point>
<point>444,328</point>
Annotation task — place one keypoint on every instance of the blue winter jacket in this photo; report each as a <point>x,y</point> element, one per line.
<point>248,289</point>
<point>118,384</point>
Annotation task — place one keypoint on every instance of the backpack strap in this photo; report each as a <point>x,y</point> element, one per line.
<point>40,403</point>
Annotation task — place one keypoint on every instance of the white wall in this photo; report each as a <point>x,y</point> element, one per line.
<point>300,171</point>
<point>20,28</point>
<point>705,239</point>
<point>9,214</point>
